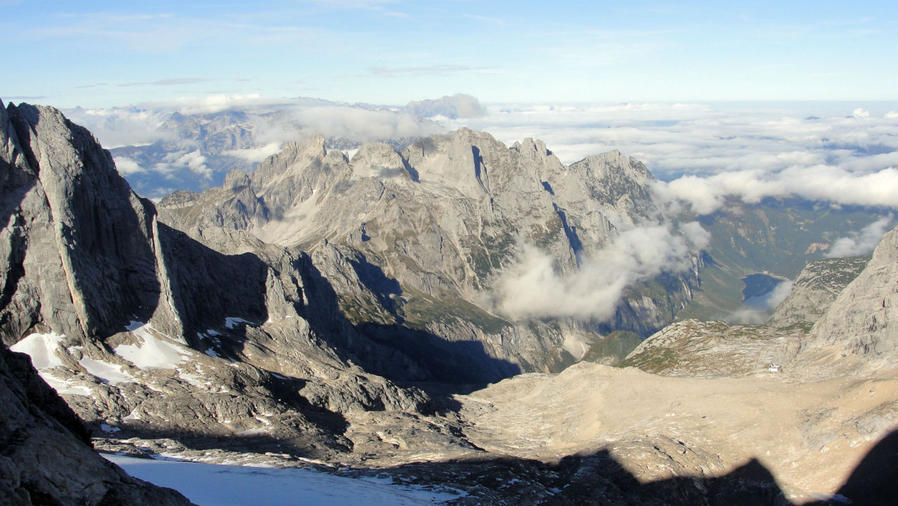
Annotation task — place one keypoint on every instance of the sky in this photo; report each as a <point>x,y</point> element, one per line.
<point>101,53</point>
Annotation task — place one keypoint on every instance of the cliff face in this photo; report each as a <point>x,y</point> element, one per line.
<point>431,231</point>
<point>45,452</point>
<point>147,331</point>
<point>77,244</point>
<point>861,324</point>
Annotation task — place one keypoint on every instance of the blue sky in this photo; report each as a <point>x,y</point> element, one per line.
<point>97,54</point>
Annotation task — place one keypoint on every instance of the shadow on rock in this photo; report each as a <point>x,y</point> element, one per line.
<point>397,352</point>
<point>590,479</point>
<point>875,480</point>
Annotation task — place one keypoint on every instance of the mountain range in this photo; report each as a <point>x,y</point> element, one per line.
<point>349,311</point>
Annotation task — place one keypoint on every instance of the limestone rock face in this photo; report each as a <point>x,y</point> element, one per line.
<point>45,452</point>
<point>861,323</point>
<point>436,225</point>
<point>77,244</point>
<point>814,291</point>
<point>147,331</point>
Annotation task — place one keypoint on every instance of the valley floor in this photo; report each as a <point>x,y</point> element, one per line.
<point>810,435</point>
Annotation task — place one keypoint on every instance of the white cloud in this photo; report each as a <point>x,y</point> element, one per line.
<point>702,140</point>
<point>253,155</point>
<point>779,294</point>
<point>862,242</point>
<point>196,162</point>
<point>127,166</point>
<point>860,113</point>
<point>822,182</point>
<point>124,126</point>
<point>757,309</point>
<point>534,288</point>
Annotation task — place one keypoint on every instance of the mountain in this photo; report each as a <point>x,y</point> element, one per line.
<point>415,243</point>
<point>147,332</point>
<point>859,329</point>
<point>776,237</point>
<point>192,145</point>
<point>717,349</point>
<point>346,313</point>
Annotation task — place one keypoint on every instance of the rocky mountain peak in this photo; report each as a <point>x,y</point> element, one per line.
<point>69,231</point>
<point>862,320</point>
<point>378,159</point>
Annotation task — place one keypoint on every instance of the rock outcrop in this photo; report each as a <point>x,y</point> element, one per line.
<point>861,325</point>
<point>45,452</point>
<point>814,291</point>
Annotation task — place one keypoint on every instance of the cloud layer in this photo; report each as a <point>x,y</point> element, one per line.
<point>862,242</point>
<point>533,288</point>
<point>704,153</point>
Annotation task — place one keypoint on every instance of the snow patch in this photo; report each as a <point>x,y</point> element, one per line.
<point>208,484</point>
<point>106,372</point>
<point>42,348</point>
<point>154,352</point>
<point>108,428</point>
<point>63,386</point>
<point>194,380</point>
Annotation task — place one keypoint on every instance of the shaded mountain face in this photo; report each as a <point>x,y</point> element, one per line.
<point>45,452</point>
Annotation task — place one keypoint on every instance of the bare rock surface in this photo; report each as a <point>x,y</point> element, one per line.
<point>413,242</point>
<point>204,331</point>
<point>860,329</point>
<point>148,332</point>
<point>809,435</point>
<point>814,291</point>
<point>45,452</point>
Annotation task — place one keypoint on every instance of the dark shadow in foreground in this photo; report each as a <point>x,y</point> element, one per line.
<point>599,479</point>
<point>875,480</point>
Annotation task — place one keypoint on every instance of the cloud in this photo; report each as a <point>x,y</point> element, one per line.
<point>167,82</point>
<point>123,126</point>
<point>704,153</point>
<point>757,309</point>
<point>533,288</point>
<point>255,154</point>
<point>427,70</point>
<point>368,5</point>
<point>862,242</point>
<point>127,166</point>
<point>706,194</point>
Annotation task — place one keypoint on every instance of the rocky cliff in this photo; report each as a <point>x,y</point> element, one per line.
<point>45,452</point>
<point>414,242</point>
<point>860,326</point>
<point>147,331</point>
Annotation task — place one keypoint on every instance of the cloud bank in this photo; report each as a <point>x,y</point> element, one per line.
<point>533,288</point>
<point>862,242</point>
<point>703,153</point>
